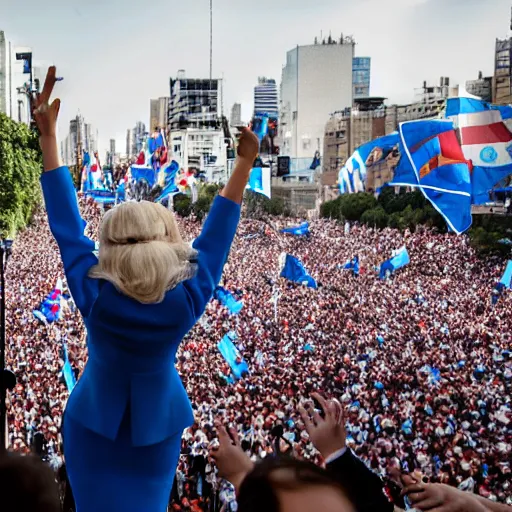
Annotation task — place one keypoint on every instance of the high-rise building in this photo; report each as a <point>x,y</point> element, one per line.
<point>159,112</point>
<point>236,115</point>
<point>194,102</point>
<point>433,93</point>
<point>139,136</point>
<point>195,129</point>
<point>129,143</point>
<point>5,76</point>
<point>361,73</point>
<point>316,81</point>
<point>113,146</point>
<point>265,98</point>
<point>502,90</point>
<point>81,137</point>
<point>481,87</point>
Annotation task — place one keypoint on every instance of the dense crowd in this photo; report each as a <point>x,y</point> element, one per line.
<point>421,360</point>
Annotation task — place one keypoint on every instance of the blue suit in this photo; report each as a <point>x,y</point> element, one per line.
<point>129,402</point>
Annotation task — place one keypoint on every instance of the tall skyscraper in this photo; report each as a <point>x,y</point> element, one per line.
<point>361,73</point>
<point>159,113</point>
<point>129,143</point>
<point>265,98</point>
<point>194,102</point>
<point>316,81</point>
<point>236,115</point>
<point>139,137</point>
<point>5,76</point>
<point>113,146</point>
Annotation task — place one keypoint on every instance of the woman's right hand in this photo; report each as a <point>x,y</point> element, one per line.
<point>248,146</point>
<point>45,114</point>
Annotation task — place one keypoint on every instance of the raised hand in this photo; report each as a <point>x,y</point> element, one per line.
<point>440,498</point>
<point>45,114</point>
<point>327,434</point>
<point>248,146</point>
<point>233,464</point>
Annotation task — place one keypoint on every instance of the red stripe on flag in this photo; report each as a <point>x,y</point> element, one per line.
<point>450,146</point>
<point>487,134</point>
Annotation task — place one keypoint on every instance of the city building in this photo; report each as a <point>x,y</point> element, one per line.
<point>159,112</point>
<point>361,73</point>
<point>196,133</point>
<point>316,81</point>
<point>481,87</point>
<point>81,137</point>
<point>129,143</point>
<point>265,98</point>
<point>502,90</point>
<point>431,93</point>
<point>346,130</point>
<point>139,137</point>
<point>5,76</point>
<point>194,102</point>
<point>236,115</point>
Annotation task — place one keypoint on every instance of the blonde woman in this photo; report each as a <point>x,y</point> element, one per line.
<point>123,422</point>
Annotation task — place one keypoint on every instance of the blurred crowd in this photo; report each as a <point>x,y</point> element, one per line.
<point>421,361</point>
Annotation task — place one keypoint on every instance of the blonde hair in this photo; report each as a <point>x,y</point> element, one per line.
<point>141,251</point>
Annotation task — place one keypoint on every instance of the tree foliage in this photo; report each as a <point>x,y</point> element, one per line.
<point>20,169</point>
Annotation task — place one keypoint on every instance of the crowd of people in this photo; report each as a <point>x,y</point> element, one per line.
<point>421,361</point>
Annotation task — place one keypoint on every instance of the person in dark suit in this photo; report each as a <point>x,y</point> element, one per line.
<point>124,419</point>
<point>326,429</point>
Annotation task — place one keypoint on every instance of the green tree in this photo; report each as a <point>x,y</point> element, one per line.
<point>201,207</point>
<point>20,169</point>
<point>376,217</point>
<point>182,205</point>
<point>354,205</point>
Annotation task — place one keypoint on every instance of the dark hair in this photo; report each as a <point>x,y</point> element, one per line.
<point>259,490</point>
<point>28,485</point>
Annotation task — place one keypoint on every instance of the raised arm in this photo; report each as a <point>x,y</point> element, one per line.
<point>214,242</point>
<point>66,224</point>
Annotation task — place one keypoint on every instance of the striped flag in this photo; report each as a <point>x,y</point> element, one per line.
<point>485,140</point>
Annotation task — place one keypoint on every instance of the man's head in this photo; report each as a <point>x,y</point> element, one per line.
<point>286,485</point>
<point>27,485</point>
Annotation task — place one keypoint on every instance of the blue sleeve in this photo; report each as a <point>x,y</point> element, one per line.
<point>67,226</point>
<point>212,245</point>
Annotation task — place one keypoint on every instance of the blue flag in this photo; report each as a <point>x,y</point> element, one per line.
<point>352,176</point>
<point>302,230</point>
<point>399,260</point>
<point>226,299</point>
<point>67,371</point>
<point>50,309</point>
<point>353,265</point>
<point>232,356</point>
<point>506,279</point>
<point>259,181</point>
<point>293,270</point>
<point>485,140</point>
<point>432,160</point>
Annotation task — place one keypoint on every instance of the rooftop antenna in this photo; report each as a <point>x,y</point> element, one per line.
<point>211,43</point>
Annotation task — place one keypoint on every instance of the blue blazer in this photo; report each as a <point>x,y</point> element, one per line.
<point>132,346</point>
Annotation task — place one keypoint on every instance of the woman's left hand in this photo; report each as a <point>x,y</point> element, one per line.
<point>45,114</point>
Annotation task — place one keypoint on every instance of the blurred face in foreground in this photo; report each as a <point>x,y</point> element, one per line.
<point>314,498</point>
<point>289,485</point>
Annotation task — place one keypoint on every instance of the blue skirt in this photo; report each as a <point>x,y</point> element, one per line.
<point>114,476</point>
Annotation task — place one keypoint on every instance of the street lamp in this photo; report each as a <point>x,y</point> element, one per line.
<point>7,378</point>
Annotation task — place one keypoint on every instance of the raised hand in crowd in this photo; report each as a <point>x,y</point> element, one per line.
<point>233,464</point>
<point>326,431</point>
<point>443,498</point>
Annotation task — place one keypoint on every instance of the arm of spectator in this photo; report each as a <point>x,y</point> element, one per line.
<point>214,242</point>
<point>329,437</point>
<point>66,224</point>
<point>443,498</point>
<point>233,464</point>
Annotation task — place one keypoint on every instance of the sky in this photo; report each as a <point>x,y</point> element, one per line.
<point>115,55</point>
